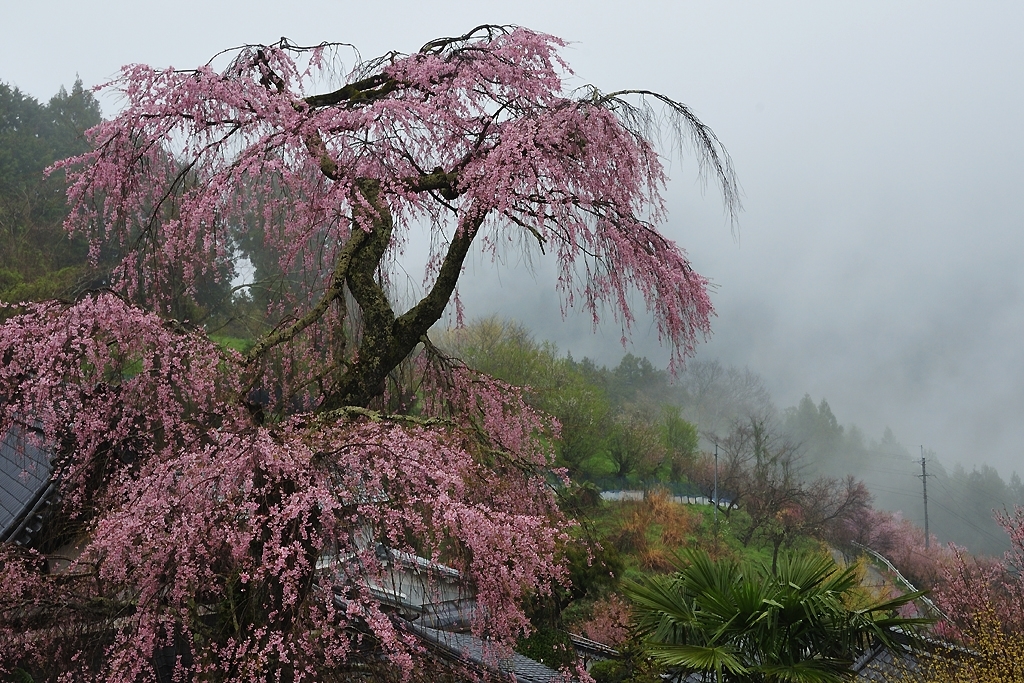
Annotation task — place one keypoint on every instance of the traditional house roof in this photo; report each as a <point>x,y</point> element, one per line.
<point>881,665</point>
<point>430,602</point>
<point>26,488</point>
<point>469,650</point>
<point>906,664</point>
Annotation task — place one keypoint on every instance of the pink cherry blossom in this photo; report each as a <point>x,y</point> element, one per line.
<point>238,535</point>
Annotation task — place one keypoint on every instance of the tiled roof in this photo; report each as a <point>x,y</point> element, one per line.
<point>881,665</point>
<point>25,486</point>
<point>472,650</point>
<point>905,664</point>
<point>450,616</point>
<point>464,648</point>
<point>584,643</point>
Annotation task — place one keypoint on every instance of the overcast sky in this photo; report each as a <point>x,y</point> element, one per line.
<point>880,146</point>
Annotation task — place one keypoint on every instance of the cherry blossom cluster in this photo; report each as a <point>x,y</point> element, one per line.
<point>198,523</point>
<point>977,591</point>
<point>113,384</point>
<point>482,127</point>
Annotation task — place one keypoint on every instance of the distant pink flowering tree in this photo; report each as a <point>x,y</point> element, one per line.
<point>984,592</point>
<point>609,623</point>
<point>230,505</point>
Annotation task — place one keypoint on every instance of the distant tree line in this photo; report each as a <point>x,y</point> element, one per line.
<point>37,258</point>
<point>636,426</point>
<point>961,502</point>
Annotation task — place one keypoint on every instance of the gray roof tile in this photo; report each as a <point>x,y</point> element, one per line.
<point>25,484</point>
<point>473,650</point>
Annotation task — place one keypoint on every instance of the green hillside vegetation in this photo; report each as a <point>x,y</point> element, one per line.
<point>637,542</point>
<point>617,430</point>
<point>636,427</point>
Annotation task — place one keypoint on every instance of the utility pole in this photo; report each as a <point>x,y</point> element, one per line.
<point>716,495</point>
<point>924,482</point>
<point>715,501</point>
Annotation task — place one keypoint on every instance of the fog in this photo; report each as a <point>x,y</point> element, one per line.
<point>877,262</point>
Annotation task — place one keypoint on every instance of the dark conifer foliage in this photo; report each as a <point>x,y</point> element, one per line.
<point>37,259</point>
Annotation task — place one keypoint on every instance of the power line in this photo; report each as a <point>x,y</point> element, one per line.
<point>898,492</point>
<point>992,498</point>
<point>971,524</point>
<point>965,515</point>
<point>888,471</point>
<point>962,516</point>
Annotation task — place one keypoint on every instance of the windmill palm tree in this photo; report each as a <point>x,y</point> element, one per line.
<point>734,622</point>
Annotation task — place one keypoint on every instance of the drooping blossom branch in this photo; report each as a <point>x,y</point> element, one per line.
<point>476,136</point>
